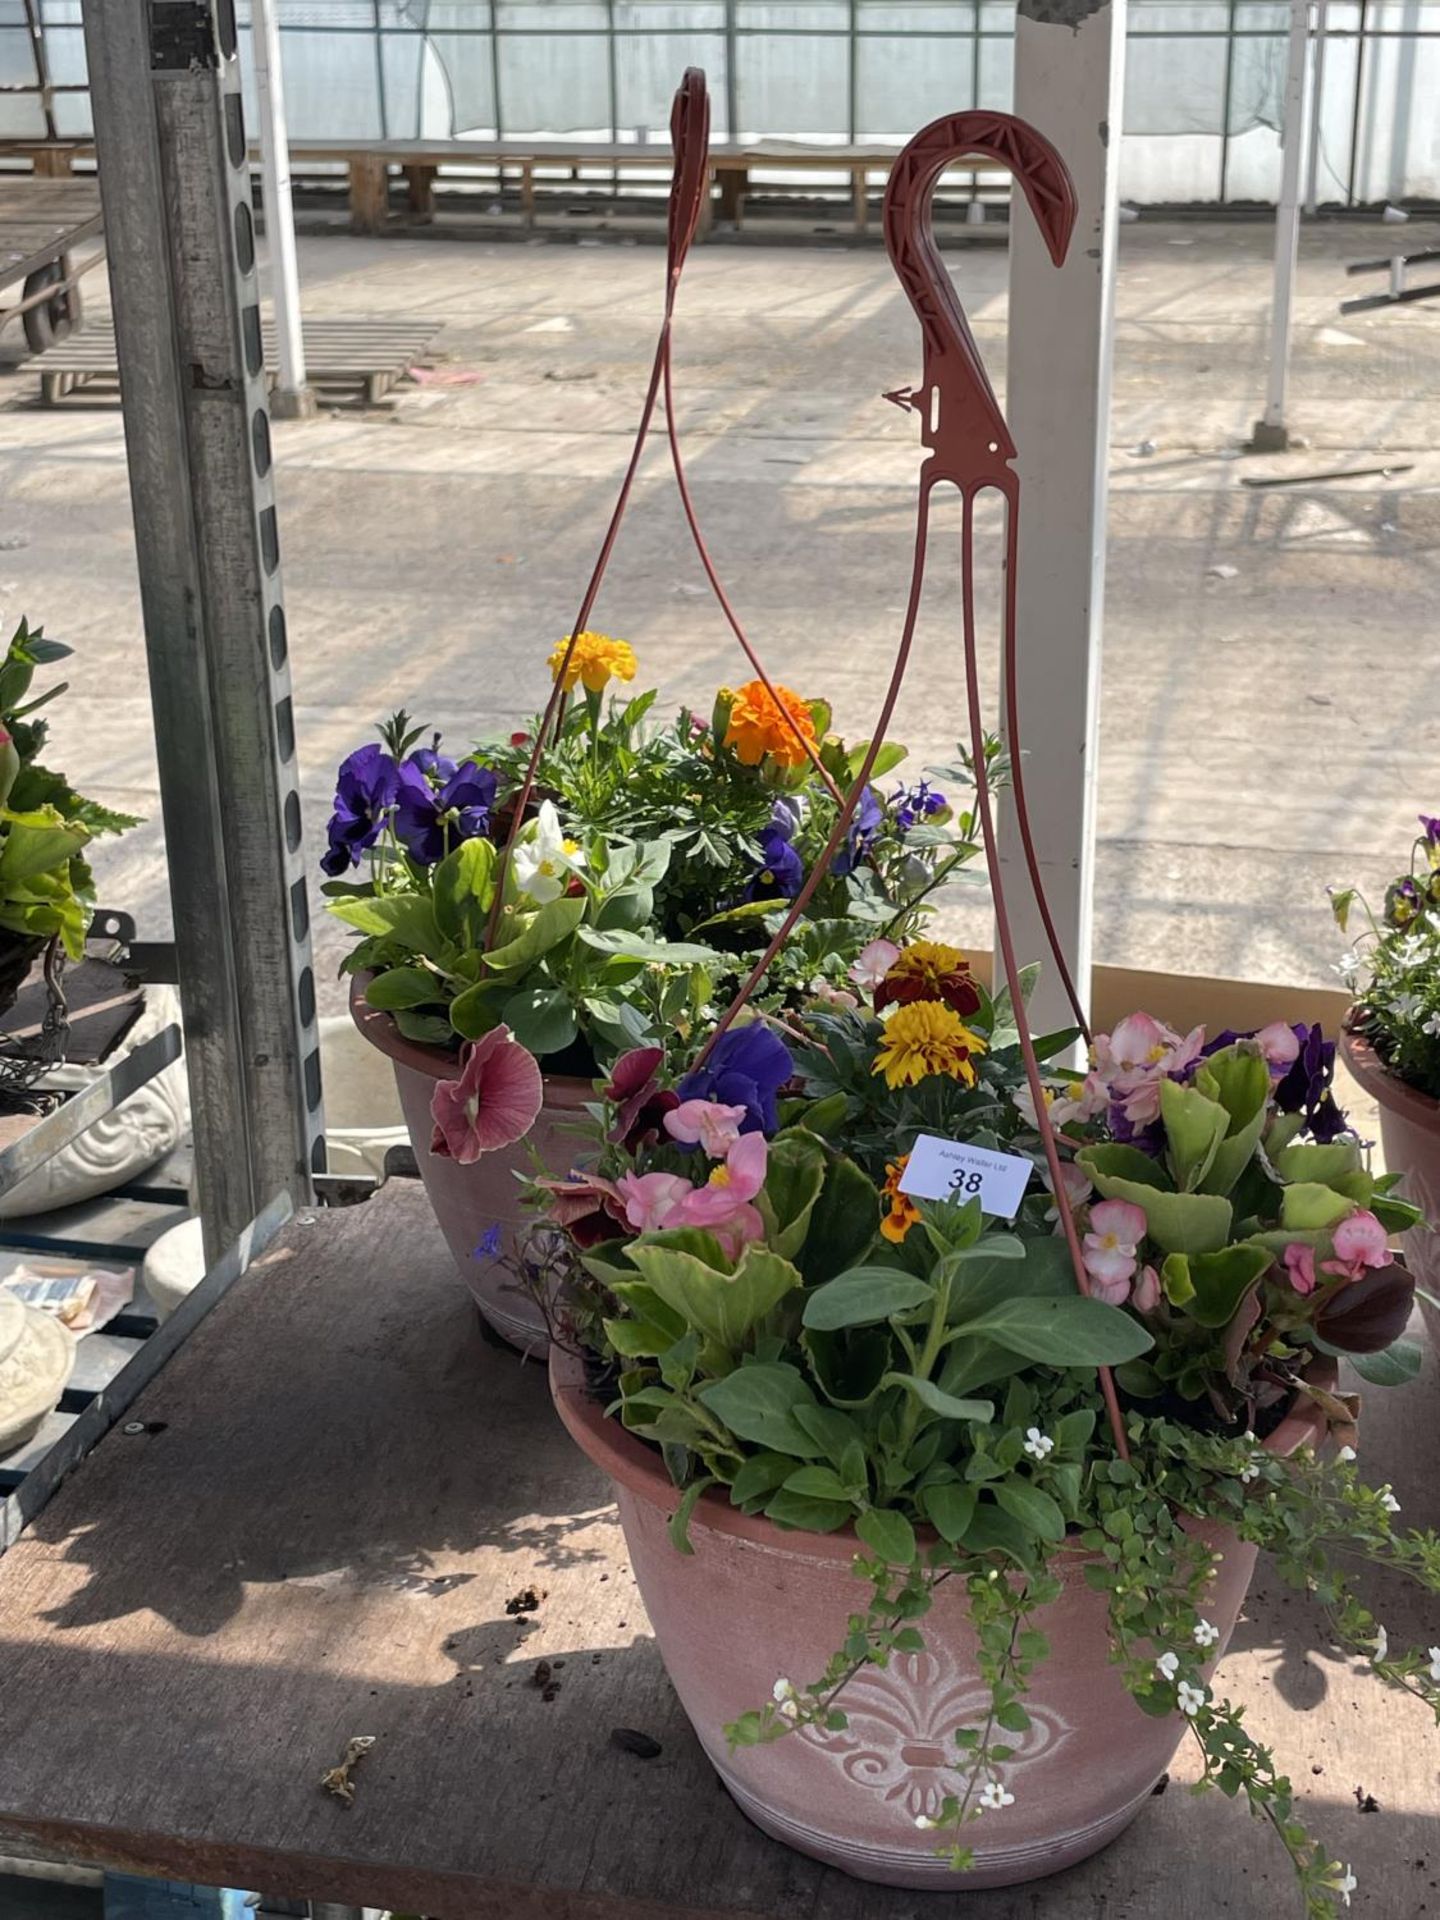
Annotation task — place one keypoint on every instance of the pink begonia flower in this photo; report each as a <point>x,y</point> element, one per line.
<point>1076,1182</point>
<point>722,1205</point>
<point>834,996</point>
<point>1280,1046</point>
<point>1116,1229</point>
<point>1360,1242</point>
<point>873,963</point>
<point>1146,1296</point>
<point>1300,1266</point>
<point>707,1124</point>
<point>651,1199</point>
<point>1083,1099</point>
<point>494,1102</point>
<point>1137,1056</point>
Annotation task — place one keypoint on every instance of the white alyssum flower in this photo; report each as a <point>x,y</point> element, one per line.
<point>924,1822</point>
<point>995,1797</point>
<point>544,859</point>
<point>1038,1444</point>
<point>1206,1634</point>
<point>1389,1502</point>
<point>1345,1885</point>
<point>1435,1664</point>
<point>1382,1645</point>
<point>1168,1665</point>
<point>1189,1699</point>
<point>1347,1454</point>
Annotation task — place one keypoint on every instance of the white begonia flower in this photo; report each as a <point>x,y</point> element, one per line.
<point>1382,1645</point>
<point>1389,1502</point>
<point>544,859</point>
<point>924,1822</point>
<point>1168,1665</point>
<point>1345,1885</point>
<point>1038,1444</point>
<point>1206,1634</point>
<point>995,1797</point>
<point>1434,1653</point>
<point>1347,1454</point>
<point>1189,1699</point>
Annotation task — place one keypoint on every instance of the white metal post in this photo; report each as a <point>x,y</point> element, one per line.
<point>1271,433</point>
<point>1317,110</point>
<point>1069,79</point>
<point>291,399</point>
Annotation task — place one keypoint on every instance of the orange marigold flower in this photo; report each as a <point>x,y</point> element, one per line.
<point>901,1212</point>
<point>759,726</point>
<point>929,970</point>
<point>926,1038</point>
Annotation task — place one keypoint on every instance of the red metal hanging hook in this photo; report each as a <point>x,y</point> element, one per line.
<point>970,448</point>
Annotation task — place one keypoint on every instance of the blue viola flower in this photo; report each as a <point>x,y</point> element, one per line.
<point>432,821</point>
<point>916,804</point>
<point>866,822</point>
<point>491,1242</point>
<point>747,1068</point>
<point>365,790</point>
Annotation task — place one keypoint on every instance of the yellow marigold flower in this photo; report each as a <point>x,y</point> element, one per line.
<point>901,1212</point>
<point>758,726</point>
<point>596,660</point>
<point>924,1038</point>
<point>929,970</point>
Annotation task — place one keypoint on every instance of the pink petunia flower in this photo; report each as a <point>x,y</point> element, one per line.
<point>1360,1242</point>
<point>494,1102</point>
<point>1300,1267</point>
<point>872,964</point>
<point>651,1200</point>
<point>1116,1229</point>
<point>707,1124</point>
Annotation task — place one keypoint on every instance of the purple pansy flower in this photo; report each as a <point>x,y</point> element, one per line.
<point>782,871</point>
<point>365,791</point>
<point>747,1068</point>
<point>1306,1087</point>
<point>915,804</point>
<point>1403,900</point>
<point>866,822</point>
<point>432,822</point>
<point>432,763</point>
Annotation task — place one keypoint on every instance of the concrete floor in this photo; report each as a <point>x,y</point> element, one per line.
<point>1270,661</point>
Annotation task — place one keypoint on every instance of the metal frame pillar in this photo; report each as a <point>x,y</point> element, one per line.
<point>1271,433</point>
<point>175,183</point>
<point>1069,81</point>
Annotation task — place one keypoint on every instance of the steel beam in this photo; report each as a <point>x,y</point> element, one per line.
<point>174,178</point>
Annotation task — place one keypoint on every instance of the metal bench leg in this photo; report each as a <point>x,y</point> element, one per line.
<point>527,193</point>
<point>860,199</point>
<point>128,1897</point>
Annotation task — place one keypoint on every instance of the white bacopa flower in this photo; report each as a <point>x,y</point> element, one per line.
<point>1382,1645</point>
<point>1345,1885</point>
<point>1435,1664</point>
<point>1038,1444</point>
<point>1249,1472</point>
<point>995,1797</point>
<point>1189,1699</point>
<point>1432,1026</point>
<point>1206,1634</point>
<point>783,1689</point>
<point>924,1822</point>
<point>1389,1502</point>
<point>1347,1454</point>
<point>1168,1665</point>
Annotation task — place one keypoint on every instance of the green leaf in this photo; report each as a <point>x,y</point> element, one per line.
<point>1239,1078</point>
<point>864,1296</point>
<point>843,1224</point>
<point>1194,1128</point>
<point>37,843</point>
<point>992,1531</point>
<point>1309,1206</point>
<point>1175,1278</point>
<point>634,946</point>
<point>479,1008</point>
<point>887,758</point>
<point>945,1404</point>
<point>1391,1367</point>
<point>679,1524</point>
<point>757,1403</point>
<point>888,1534</point>
<point>761,1474</point>
<point>1064,1333</point>
<point>833,1432</point>
<point>638,1339</point>
<point>541,1018</point>
<point>722,1306</point>
<point>1113,1162</point>
<point>403,987</point>
<point>1033,1508</point>
<point>1012,1716</point>
<point>806,1515</point>
<point>817,1483</point>
<point>463,890</point>
<point>555,921</point>
<point>794,1179</point>
<point>1308,1161</point>
<point>950,1507</point>
<point>406,918</point>
<point>1178,1222</point>
<point>1221,1281</point>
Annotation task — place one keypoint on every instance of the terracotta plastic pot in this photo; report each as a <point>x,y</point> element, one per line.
<point>753,1603</point>
<point>1410,1136</point>
<point>469,1201</point>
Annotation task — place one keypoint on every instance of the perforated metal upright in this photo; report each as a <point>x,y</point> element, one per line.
<point>174,177</point>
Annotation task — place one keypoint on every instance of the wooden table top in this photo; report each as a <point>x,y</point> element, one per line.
<point>342,1487</point>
